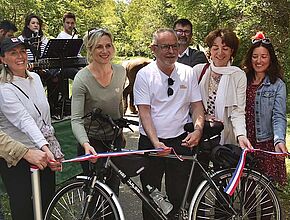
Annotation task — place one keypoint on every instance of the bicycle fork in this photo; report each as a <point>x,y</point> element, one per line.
<point>89,197</point>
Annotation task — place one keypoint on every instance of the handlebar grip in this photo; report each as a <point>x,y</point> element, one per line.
<point>132,122</point>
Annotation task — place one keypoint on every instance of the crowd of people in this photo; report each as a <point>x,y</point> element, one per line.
<point>180,85</point>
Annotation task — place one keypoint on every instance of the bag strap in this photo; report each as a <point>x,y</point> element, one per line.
<point>39,112</point>
<point>203,72</point>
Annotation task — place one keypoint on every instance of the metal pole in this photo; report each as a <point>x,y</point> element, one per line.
<point>36,193</point>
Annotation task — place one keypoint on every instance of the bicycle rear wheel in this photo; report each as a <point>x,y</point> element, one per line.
<point>70,200</point>
<point>254,198</point>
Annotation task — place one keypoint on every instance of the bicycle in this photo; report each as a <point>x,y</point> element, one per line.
<point>88,197</point>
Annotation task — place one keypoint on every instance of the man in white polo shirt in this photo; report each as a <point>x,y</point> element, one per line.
<point>164,92</point>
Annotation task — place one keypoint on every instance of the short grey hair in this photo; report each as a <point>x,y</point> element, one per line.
<point>91,39</point>
<point>159,31</point>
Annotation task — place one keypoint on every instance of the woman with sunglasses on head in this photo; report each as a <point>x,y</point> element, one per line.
<point>223,87</point>
<point>266,107</point>
<point>24,112</point>
<point>98,85</point>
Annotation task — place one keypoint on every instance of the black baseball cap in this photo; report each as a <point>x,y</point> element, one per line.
<point>9,43</point>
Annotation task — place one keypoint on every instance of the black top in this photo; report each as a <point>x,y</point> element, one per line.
<point>195,57</point>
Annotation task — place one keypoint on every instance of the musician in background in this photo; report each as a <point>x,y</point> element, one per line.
<point>59,84</point>
<point>69,27</point>
<point>32,34</point>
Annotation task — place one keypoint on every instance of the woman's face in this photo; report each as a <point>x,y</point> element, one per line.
<point>16,59</point>
<point>260,59</point>
<point>220,53</point>
<point>34,25</point>
<point>103,51</point>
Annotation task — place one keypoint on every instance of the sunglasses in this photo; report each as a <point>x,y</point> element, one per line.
<point>264,41</point>
<point>170,91</point>
<point>93,31</point>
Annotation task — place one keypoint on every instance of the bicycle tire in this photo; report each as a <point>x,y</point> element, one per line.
<point>69,201</point>
<point>254,198</point>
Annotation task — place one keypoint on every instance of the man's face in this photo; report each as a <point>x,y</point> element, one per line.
<point>69,25</point>
<point>184,34</point>
<point>166,49</point>
<point>4,33</point>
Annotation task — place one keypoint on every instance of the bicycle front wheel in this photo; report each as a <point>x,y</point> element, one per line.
<point>70,201</point>
<point>254,198</point>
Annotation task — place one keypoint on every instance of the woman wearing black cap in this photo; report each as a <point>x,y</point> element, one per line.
<point>24,111</point>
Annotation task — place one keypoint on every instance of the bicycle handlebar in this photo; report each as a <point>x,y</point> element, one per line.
<point>120,123</point>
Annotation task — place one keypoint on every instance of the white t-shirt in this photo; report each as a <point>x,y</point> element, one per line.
<point>169,113</point>
<point>64,35</point>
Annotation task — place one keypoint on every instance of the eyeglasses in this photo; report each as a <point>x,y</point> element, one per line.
<point>264,41</point>
<point>180,32</point>
<point>166,47</point>
<point>170,82</point>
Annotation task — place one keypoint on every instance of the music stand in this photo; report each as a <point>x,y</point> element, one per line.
<point>61,49</point>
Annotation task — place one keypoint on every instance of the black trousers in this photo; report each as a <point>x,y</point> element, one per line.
<point>176,172</point>
<point>17,181</point>
<point>100,146</point>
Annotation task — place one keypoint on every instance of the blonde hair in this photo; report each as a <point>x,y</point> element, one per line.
<point>91,39</point>
<point>5,75</point>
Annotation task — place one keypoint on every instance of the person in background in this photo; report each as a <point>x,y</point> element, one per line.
<point>69,27</point>
<point>33,35</point>
<point>98,85</point>
<point>58,84</point>
<point>7,29</point>
<point>187,55</point>
<point>266,107</point>
<point>164,92</point>
<point>24,111</point>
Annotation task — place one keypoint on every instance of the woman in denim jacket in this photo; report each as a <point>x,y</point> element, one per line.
<point>266,107</point>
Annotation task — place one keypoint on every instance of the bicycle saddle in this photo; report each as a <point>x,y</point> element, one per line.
<point>210,129</point>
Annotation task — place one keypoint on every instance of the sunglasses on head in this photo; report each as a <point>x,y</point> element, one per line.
<point>92,31</point>
<point>264,41</point>
<point>170,91</point>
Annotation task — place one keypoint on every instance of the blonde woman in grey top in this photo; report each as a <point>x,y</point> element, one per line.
<point>98,85</point>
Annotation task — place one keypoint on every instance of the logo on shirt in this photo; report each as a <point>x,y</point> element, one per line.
<point>117,90</point>
<point>183,86</point>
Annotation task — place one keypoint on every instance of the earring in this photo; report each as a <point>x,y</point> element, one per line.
<point>5,65</point>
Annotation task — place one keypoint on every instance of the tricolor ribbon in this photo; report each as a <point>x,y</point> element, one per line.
<point>123,152</point>
<point>231,187</point>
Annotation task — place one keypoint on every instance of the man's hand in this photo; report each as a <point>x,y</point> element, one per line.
<point>192,139</point>
<point>37,158</point>
<point>166,150</point>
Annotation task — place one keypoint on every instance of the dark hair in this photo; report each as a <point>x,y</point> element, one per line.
<point>26,33</point>
<point>8,26</point>
<point>68,15</point>
<point>274,71</point>
<point>183,22</point>
<point>229,38</point>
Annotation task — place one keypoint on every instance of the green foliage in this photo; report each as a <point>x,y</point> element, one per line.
<point>133,22</point>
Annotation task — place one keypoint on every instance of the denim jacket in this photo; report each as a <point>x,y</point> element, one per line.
<point>270,111</point>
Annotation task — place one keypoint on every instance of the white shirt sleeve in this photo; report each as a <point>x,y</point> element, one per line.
<point>141,89</point>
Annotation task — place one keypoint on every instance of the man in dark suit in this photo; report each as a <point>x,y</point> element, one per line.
<point>187,55</point>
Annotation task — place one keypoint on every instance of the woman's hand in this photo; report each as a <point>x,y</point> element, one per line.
<point>281,148</point>
<point>90,150</point>
<point>244,142</point>
<point>54,165</point>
